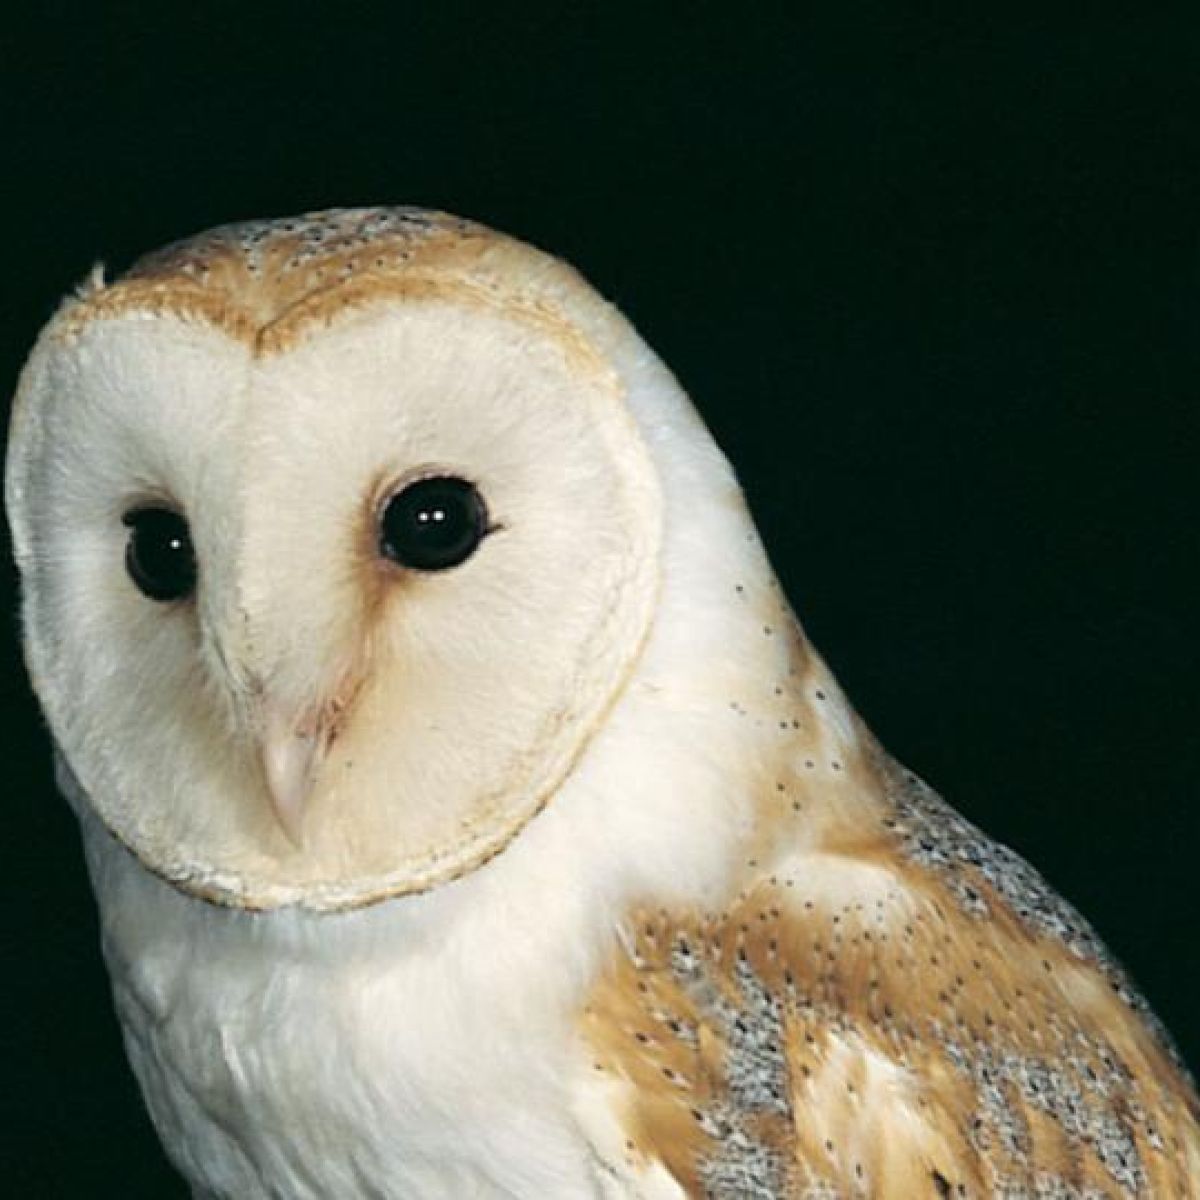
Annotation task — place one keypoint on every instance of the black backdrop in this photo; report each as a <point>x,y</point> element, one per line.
<point>933,280</point>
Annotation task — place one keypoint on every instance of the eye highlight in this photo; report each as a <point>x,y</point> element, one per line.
<point>433,524</point>
<point>159,555</point>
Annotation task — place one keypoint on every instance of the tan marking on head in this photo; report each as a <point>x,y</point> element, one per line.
<point>274,265</point>
<point>269,283</point>
<point>152,298</point>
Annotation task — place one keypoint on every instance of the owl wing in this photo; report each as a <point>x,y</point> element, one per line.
<point>915,1015</point>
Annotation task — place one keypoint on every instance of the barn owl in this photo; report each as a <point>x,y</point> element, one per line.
<point>467,812</point>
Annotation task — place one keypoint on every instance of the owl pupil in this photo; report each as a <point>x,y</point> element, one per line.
<point>159,555</point>
<point>433,524</point>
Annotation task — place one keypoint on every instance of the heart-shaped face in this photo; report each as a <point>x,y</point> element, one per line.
<point>338,541</point>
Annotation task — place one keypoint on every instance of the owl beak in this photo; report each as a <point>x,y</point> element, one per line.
<point>289,758</point>
<point>293,747</point>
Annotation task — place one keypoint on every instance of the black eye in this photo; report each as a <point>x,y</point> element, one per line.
<point>159,555</point>
<point>433,524</point>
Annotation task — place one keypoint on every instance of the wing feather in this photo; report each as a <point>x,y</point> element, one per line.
<point>890,1019</point>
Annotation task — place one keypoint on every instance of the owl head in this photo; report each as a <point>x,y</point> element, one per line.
<point>341,537</point>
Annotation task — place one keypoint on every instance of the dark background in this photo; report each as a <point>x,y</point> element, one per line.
<point>933,280</point>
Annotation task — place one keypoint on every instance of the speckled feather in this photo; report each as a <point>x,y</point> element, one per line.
<point>269,281</point>
<point>896,1007</point>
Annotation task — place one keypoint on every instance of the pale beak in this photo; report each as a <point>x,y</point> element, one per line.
<point>293,745</point>
<point>290,755</point>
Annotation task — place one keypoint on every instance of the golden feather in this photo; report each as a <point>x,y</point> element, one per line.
<point>887,1005</point>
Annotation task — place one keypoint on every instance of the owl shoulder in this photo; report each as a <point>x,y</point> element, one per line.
<point>917,1015</point>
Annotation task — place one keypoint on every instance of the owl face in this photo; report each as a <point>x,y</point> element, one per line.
<point>331,571</point>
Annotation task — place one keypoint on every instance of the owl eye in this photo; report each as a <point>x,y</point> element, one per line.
<point>159,555</point>
<point>433,524</point>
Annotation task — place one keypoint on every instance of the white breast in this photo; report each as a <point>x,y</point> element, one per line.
<point>361,1059</point>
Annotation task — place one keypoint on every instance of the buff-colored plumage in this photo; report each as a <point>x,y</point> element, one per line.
<point>567,872</point>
